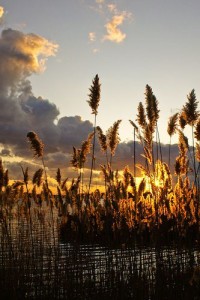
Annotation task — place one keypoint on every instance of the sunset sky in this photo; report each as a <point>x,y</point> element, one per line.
<point>51,50</point>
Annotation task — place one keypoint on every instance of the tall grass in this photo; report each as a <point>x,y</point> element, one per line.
<point>163,208</point>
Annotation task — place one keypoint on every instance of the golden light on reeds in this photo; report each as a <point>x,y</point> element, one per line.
<point>118,196</point>
<point>124,209</point>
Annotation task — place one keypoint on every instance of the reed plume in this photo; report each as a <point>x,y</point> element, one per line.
<point>141,116</point>
<point>105,172</point>
<point>95,95</point>
<point>17,184</point>
<point>191,115</point>
<point>113,138</point>
<point>126,176</point>
<point>190,109</point>
<point>102,139</point>
<point>75,158</point>
<point>141,188</point>
<point>35,144</point>
<point>197,130</point>
<point>182,162</point>
<point>85,148</point>
<point>152,110</point>
<point>26,177</point>
<point>148,137</point>
<point>148,154</point>
<point>63,185</point>
<point>103,142</point>
<point>37,177</point>
<point>136,133</point>
<point>79,155</point>
<point>172,124</point>
<point>58,176</point>
<point>182,120</point>
<point>94,99</point>
<point>198,152</point>
<point>182,142</point>
<point>171,129</point>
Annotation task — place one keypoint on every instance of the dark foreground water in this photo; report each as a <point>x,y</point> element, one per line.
<point>35,264</point>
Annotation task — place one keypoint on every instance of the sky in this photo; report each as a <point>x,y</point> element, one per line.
<point>50,51</point>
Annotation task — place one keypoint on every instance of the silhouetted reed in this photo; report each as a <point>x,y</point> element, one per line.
<point>43,235</point>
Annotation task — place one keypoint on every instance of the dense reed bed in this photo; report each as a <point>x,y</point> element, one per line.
<point>146,234</point>
<point>36,264</point>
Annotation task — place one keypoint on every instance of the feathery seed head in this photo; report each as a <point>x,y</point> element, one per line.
<point>177,166</point>
<point>36,144</point>
<point>151,107</point>
<point>102,139</point>
<point>26,176</point>
<point>95,94</point>
<point>197,130</point>
<point>85,148</point>
<point>190,109</point>
<point>172,124</point>
<point>113,136</point>
<point>198,152</point>
<point>182,120</point>
<point>58,176</point>
<point>37,177</point>
<point>183,142</point>
<point>141,116</point>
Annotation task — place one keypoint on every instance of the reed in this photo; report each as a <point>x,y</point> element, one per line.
<point>94,99</point>
<point>162,209</point>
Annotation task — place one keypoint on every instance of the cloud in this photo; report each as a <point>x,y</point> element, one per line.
<point>5,152</point>
<point>1,11</point>
<point>116,18</point>
<point>112,8</point>
<point>100,4</point>
<point>22,54</point>
<point>21,111</point>
<point>73,130</point>
<point>114,34</point>
<point>95,50</point>
<point>92,36</point>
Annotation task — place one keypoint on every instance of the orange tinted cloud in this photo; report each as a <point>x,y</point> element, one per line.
<point>114,34</point>
<point>27,52</point>
<point>1,11</point>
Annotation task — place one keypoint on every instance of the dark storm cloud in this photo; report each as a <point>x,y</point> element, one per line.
<point>20,56</point>
<point>73,131</point>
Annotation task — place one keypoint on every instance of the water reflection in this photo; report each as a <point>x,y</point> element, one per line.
<point>41,267</point>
